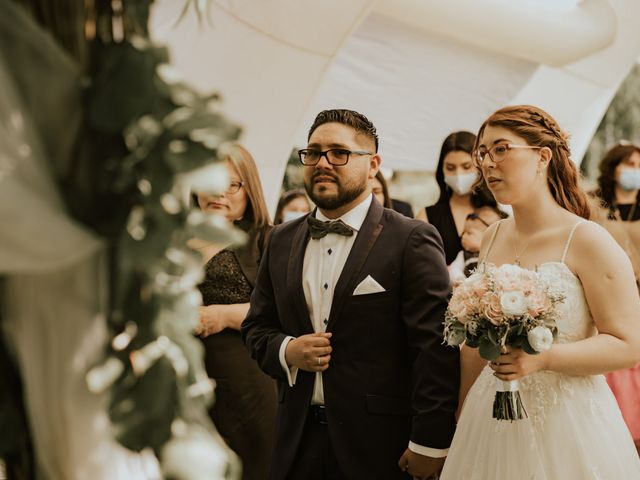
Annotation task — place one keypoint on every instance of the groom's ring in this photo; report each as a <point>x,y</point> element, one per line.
<point>318,360</point>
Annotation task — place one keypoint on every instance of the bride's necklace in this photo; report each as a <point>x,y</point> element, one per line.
<point>515,249</point>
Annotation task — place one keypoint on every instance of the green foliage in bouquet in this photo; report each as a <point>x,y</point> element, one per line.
<point>502,306</point>
<point>499,307</point>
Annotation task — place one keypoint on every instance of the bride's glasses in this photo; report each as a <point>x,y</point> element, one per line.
<point>498,153</point>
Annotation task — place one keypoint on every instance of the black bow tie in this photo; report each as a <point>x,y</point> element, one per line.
<point>319,229</point>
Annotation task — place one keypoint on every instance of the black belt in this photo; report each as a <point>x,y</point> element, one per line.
<point>318,413</point>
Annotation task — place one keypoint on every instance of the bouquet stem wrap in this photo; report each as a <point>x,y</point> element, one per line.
<point>507,404</point>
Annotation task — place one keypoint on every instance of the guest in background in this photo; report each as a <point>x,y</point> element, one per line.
<point>245,406</point>
<point>618,187</point>
<point>474,227</point>
<point>292,204</point>
<point>402,207</point>
<point>456,176</point>
<point>381,192</point>
<point>618,191</point>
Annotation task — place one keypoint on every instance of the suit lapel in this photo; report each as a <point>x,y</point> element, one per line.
<point>366,238</point>
<point>294,274</point>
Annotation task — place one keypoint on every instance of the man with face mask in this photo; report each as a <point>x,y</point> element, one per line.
<point>347,316</point>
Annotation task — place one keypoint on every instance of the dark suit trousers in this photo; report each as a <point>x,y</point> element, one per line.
<point>315,459</point>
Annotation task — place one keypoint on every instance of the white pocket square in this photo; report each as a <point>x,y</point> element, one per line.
<point>368,285</point>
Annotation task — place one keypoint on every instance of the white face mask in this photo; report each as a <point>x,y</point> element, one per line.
<point>461,184</point>
<point>289,215</point>
<point>630,179</point>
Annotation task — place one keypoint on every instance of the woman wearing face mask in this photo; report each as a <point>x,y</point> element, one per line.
<point>293,204</point>
<point>619,182</point>
<point>456,177</point>
<point>618,189</point>
<point>245,405</point>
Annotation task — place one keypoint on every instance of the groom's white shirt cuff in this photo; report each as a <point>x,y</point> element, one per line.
<point>292,372</point>
<point>428,451</point>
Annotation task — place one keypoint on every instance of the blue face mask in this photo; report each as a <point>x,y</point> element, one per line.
<point>630,179</point>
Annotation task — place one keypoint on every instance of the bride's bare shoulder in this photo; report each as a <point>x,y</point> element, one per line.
<point>592,245</point>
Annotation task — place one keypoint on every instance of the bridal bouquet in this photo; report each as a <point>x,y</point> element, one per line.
<point>498,307</point>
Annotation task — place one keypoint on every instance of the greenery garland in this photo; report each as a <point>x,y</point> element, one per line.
<point>159,388</point>
<point>147,137</point>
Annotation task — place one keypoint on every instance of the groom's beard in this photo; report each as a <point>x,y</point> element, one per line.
<point>331,201</point>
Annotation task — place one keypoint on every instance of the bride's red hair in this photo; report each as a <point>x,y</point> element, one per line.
<point>540,129</point>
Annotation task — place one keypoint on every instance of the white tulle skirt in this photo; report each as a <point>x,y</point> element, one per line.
<point>574,431</point>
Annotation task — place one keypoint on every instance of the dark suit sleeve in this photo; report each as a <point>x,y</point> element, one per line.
<point>436,371</point>
<point>261,330</point>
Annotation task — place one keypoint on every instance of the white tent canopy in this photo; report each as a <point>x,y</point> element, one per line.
<point>418,70</point>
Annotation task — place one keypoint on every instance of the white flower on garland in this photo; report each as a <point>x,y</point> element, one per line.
<point>540,338</point>
<point>193,454</point>
<point>513,304</point>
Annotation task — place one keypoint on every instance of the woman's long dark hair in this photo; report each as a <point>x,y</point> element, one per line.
<point>461,142</point>
<point>385,189</point>
<point>607,179</point>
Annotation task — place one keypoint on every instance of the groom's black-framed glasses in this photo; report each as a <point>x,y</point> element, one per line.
<point>335,156</point>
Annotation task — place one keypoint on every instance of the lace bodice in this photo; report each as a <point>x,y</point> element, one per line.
<point>574,318</point>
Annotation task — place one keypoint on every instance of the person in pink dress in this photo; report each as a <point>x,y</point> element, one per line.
<point>619,191</point>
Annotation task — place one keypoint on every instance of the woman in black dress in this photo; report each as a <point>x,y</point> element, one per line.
<point>245,405</point>
<point>456,176</point>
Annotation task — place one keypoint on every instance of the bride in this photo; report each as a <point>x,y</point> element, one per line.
<point>574,429</point>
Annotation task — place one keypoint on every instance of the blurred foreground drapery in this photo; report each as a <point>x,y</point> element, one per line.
<point>69,295</point>
<point>54,303</point>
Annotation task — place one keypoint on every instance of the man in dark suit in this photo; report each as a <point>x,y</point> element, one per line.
<point>347,315</point>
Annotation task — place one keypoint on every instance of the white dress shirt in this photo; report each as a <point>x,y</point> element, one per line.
<point>324,260</point>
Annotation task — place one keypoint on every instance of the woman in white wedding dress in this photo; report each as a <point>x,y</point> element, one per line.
<point>574,429</point>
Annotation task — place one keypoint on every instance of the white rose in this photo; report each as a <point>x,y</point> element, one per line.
<point>540,338</point>
<point>513,304</point>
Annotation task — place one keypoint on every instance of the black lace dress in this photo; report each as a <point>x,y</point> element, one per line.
<point>245,405</point>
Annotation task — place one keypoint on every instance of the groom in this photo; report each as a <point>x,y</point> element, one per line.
<point>347,315</point>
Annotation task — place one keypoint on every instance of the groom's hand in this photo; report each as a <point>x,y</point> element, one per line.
<point>309,352</point>
<point>420,467</point>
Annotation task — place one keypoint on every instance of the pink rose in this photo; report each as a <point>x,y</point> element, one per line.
<point>491,308</point>
<point>458,308</point>
<point>537,303</point>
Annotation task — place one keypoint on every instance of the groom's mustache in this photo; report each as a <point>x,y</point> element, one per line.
<point>321,173</point>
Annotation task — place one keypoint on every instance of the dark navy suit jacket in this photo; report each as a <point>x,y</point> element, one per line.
<point>390,378</point>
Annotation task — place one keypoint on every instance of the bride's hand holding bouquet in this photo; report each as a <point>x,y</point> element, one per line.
<point>508,313</point>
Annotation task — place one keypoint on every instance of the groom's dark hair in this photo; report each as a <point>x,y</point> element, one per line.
<point>351,118</point>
